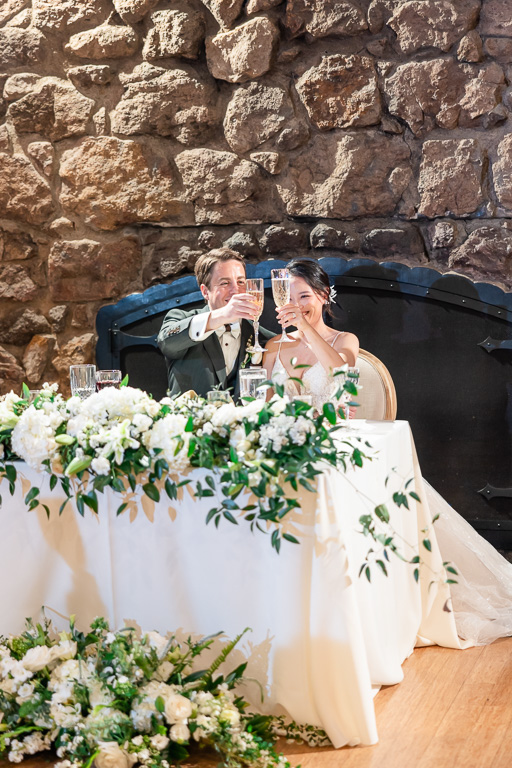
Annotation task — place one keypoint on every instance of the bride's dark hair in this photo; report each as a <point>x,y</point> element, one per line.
<point>315,276</point>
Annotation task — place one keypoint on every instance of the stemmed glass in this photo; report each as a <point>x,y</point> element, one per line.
<point>254,286</point>
<point>281,293</point>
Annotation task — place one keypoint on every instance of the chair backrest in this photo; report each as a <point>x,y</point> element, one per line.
<point>377,396</point>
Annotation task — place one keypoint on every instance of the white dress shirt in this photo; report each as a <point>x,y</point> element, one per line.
<point>229,339</point>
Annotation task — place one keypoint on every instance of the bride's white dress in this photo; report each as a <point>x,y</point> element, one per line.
<point>482,597</point>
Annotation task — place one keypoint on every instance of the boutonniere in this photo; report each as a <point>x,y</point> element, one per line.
<point>251,358</point>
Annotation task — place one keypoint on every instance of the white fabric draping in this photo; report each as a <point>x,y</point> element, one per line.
<point>323,638</point>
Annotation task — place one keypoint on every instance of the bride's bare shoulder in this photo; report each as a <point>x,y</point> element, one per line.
<point>272,343</point>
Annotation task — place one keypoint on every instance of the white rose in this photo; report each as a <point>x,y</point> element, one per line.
<point>164,671</point>
<point>179,733</point>
<point>159,741</point>
<point>37,658</point>
<point>98,695</point>
<point>66,649</point>
<point>231,716</point>
<point>177,708</point>
<point>7,686</point>
<point>112,756</point>
<point>157,641</point>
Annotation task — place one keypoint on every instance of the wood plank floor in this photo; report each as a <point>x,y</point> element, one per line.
<point>452,710</point>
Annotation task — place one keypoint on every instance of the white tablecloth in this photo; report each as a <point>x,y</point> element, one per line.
<point>323,638</point>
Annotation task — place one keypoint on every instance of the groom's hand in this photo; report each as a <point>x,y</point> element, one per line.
<point>241,306</point>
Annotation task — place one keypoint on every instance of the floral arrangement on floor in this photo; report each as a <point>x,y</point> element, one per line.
<point>256,454</point>
<point>116,699</point>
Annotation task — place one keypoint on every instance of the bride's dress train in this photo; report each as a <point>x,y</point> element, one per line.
<point>482,597</point>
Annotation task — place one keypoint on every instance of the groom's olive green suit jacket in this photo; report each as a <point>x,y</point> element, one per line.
<point>200,365</point>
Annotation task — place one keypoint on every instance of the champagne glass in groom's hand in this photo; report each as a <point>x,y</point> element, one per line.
<point>254,286</point>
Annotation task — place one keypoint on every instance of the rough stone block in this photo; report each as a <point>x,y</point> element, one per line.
<point>109,182</point>
<point>322,18</point>
<point>243,53</point>
<point>23,193</point>
<point>487,251</point>
<point>54,109</point>
<point>342,92</point>
<point>348,176</point>
<point>450,180</point>
<point>496,18</point>
<point>11,373</point>
<point>176,102</point>
<point>225,12</point>
<point>18,328</point>
<point>103,42</point>
<point>37,356</point>
<point>433,23</point>
<point>176,32</point>
<point>394,243</point>
<point>85,270</point>
<point>255,113</point>
<point>224,188</point>
<point>133,11</point>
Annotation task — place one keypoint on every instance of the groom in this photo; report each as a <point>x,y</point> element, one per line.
<point>205,348</point>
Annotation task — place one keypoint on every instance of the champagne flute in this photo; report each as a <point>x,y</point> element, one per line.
<point>254,286</point>
<point>281,293</point>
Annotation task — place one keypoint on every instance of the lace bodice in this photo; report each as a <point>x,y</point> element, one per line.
<point>316,382</point>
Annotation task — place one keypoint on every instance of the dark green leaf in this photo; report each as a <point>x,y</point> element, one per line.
<point>151,491</point>
<point>31,495</point>
<point>382,513</point>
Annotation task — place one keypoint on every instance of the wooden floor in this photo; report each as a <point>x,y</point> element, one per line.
<point>453,710</point>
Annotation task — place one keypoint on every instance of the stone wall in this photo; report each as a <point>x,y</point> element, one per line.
<point>135,134</point>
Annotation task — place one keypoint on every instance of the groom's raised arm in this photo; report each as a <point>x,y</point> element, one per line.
<point>175,335</point>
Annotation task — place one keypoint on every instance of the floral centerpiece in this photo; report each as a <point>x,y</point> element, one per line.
<point>257,454</point>
<point>122,698</point>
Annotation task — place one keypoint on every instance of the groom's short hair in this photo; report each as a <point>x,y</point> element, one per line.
<point>204,265</point>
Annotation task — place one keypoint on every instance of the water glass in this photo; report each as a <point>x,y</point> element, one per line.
<point>219,396</point>
<point>83,380</point>
<point>108,379</point>
<point>33,395</point>
<point>251,381</point>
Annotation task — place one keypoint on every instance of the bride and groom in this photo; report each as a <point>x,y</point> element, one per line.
<point>206,347</point>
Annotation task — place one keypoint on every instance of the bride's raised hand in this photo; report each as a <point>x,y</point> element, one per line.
<point>291,314</point>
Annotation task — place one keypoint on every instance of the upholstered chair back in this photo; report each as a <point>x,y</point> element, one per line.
<point>376,396</point>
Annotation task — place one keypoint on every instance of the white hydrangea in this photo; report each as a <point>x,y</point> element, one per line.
<point>168,435</point>
<point>33,437</point>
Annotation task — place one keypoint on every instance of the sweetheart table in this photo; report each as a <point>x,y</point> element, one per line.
<point>323,638</point>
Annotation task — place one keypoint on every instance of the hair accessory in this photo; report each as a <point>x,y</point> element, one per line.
<point>332,294</point>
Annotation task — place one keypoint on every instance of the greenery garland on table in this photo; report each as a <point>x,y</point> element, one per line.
<point>120,698</point>
<point>123,438</point>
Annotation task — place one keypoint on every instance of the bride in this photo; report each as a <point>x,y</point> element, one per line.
<point>482,597</point>
<point>316,346</point>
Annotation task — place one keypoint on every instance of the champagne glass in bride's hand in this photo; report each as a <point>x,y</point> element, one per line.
<point>254,286</point>
<point>281,293</point>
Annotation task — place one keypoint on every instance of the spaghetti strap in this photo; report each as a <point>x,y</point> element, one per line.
<point>333,342</point>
